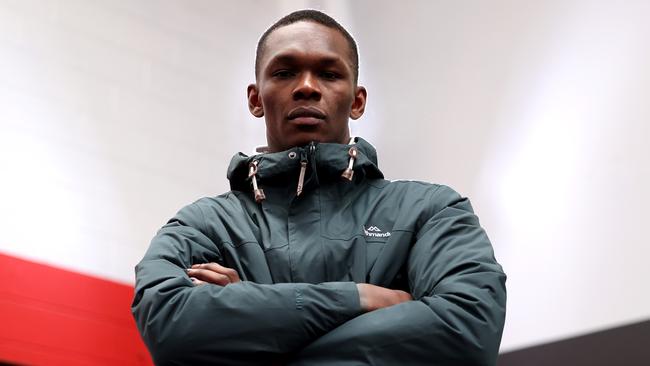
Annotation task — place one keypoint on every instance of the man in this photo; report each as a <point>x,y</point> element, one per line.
<point>313,258</point>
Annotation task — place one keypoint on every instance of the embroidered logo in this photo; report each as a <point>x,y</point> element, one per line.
<point>375,232</point>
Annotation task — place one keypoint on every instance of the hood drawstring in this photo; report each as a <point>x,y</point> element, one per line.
<point>259,194</point>
<point>303,169</point>
<point>348,173</point>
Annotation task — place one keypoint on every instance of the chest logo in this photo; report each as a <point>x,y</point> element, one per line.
<point>375,232</point>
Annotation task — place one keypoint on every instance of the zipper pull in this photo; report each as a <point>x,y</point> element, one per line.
<point>303,169</point>
<point>348,173</point>
<point>252,170</point>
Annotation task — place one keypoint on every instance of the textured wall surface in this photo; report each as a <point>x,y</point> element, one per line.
<point>115,114</point>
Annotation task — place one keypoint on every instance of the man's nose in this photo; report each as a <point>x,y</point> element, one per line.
<point>307,87</point>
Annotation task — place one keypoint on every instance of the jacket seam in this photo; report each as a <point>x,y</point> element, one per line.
<point>204,228</point>
<point>432,205</point>
<point>231,244</point>
<point>240,243</point>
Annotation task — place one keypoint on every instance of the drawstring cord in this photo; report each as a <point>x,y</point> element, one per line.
<point>259,193</point>
<point>252,171</point>
<point>348,173</point>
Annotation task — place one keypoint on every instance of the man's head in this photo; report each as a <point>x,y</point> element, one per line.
<point>306,81</point>
<point>315,16</point>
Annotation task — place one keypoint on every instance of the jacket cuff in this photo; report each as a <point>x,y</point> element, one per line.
<point>347,299</point>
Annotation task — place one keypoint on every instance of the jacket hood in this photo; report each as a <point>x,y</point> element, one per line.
<point>319,162</point>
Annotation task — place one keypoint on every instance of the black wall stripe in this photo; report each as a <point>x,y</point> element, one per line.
<point>627,346</point>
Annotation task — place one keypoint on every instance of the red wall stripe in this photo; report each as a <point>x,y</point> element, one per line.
<point>51,316</point>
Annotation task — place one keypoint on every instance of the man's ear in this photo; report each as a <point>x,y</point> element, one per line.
<point>359,104</point>
<point>254,101</point>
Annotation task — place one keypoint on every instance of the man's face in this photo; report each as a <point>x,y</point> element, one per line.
<point>305,87</point>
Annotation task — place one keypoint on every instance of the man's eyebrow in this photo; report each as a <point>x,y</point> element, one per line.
<point>332,61</point>
<point>290,59</point>
<point>284,59</point>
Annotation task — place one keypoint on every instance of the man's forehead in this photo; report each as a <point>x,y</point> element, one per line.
<point>306,38</point>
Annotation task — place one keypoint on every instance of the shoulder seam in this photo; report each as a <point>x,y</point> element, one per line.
<point>204,227</point>
<point>432,205</point>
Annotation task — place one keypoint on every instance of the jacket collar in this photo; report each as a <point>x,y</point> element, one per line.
<point>324,162</point>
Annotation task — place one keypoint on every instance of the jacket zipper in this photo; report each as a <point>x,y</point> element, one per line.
<point>303,169</point>
<point>303,166</point>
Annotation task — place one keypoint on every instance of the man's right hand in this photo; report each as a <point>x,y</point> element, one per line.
<point>213,273</point>
<point>374,297</point>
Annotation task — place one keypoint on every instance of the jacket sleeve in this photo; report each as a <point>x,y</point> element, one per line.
<point>238,324</point>
<point>458,311</point>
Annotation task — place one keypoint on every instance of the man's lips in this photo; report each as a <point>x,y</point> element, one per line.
<point>306,115</point>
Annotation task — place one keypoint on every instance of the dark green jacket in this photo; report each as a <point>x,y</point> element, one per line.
<point>299,258</point>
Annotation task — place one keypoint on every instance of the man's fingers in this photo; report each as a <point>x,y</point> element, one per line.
<point>197,282</point>
<point>373,297</point>
<point>404,296</point>
<point>232,275</point>
<point>209,276</point>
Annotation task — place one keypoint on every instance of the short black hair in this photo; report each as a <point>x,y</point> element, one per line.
<point>315,16</point>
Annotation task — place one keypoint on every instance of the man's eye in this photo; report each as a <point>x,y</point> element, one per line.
<point>329,75</point>
<point>283,74</point>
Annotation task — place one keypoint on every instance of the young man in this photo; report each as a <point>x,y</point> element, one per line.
<point>313,258</point>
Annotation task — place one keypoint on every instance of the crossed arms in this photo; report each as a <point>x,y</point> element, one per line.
<point>455,318</point>
<point>371,297</point>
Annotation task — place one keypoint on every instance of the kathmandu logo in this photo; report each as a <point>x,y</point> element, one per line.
<point>375,232</point>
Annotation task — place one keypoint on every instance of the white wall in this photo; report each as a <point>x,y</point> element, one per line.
<point>114,114</point>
